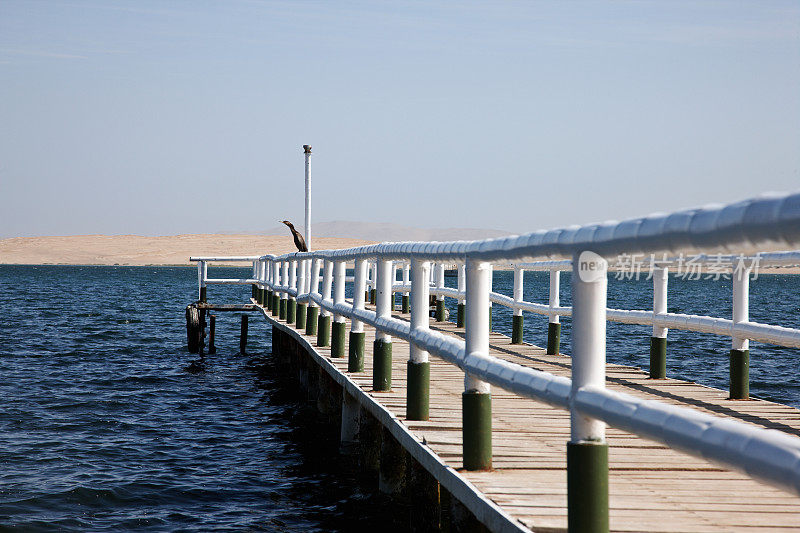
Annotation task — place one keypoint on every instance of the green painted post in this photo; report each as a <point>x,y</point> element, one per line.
<point>372,293</point>
<point>440,310</point>
<point>587,487</point>
<point>740,375</point>
<point>460,316</point>
<point>419,385</point>
<point>658,358</point>
<point>516,329</point>
<point>282,309</point>
<point>252,291</point>
<point>477,430</point>
<point>312,317</point>
<point>404,303</point>
<point>291,311</point>
<point>553,338</point>
<point>490,318</point>
<point>355,360</point>
<point>337,338</point>
<point>301,316</point>
<point>276,303</point>
<point>381,365</point>
<point>324,330</point>
<point>268,300</point>
<point>203,294</point>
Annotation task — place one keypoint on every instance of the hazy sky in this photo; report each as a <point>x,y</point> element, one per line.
<point>160,118</point>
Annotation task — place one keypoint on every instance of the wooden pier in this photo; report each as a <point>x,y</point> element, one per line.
<point>652,487</point>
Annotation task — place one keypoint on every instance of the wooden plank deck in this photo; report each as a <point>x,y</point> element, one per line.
<point>652,488</point>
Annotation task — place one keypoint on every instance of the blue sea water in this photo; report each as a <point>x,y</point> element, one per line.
<point>102,428</point>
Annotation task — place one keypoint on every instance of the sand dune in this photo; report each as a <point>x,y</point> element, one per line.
<point>138,250</point>
<point>167,250</point>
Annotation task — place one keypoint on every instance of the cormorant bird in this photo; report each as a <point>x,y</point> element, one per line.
<point>299,241</point>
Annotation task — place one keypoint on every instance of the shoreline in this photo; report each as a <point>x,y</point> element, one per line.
<point>175,250</point>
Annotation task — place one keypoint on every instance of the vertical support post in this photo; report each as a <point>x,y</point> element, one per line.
<point>382,347</point>
<point>339,326</point>
<point>268,278</point>
<point>554,321</point>
<point>439,280</point>
<point>740,347</point>
<point>202,276</point>
<point>307,151</point>
<point>212,348</point>
<point>658,341</point>
<point>243,335</point>
<point>291,302</point>
<point>261,280</point>
<point>312,317</point>
<point>373,281</point>
<point>462,288</point>
<point>418,393</point>
<point>404,306</point>
<point>254,275</point>
<point>355,360</point>
<point>476,401</point>
<point>491,286</point>
<point>302,289</point>
<point>284,295</point>
<point>587,450</point>
<point>516,325</point>
<point>324,322</point>
<point>276,281</point>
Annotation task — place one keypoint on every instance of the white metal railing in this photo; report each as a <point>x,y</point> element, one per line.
<point>762,222</point>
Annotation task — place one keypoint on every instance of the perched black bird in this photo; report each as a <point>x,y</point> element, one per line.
<point>299,241</point>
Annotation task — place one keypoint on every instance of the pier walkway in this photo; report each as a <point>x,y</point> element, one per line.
<point>652,487</point>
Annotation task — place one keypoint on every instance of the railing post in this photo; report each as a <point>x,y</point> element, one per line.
<point>658,342</point>
<point>554,321</point>
<point>268,283</point>
<point>276,281</point>
<point>491,279</point>
<point>740,347</point>
<point>462,287</point>
<point>339,326</point>
<point>312,315</point>
<point>262,279</point>
<point>587,450</point>
<point>382,347</point>
<point>373,281</point>
<point>324,321</point>
<point>439,280</point>
<point>302,288</point>
<point>404,307</point>
<point>291,302</point>
<point>516,325</point>
<point>253,286</point>
<point>202,276</point>
<point>355,361</point>
<point>284,295</point>
<point>418,389</point>
<point>476,401</point>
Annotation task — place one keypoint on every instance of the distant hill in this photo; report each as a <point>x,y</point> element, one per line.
<point>385,231</point>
